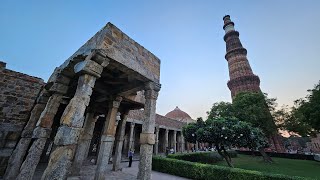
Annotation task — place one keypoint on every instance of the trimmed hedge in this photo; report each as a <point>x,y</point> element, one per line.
<point>206,172</point>
<point>202,157</point>
<point>280,155</point>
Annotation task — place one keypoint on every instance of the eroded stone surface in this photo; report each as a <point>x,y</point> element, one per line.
<point>119,144</point>
<point>84,143</point>
<point>18,93</point>
<point>67,135</point>
<point>16,158</point>
<point>146,149</point>
<point>59,163</point>
<point>29,165</point>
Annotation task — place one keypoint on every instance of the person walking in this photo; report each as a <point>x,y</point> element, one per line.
<point>130,155</point>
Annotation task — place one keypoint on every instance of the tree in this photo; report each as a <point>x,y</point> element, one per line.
<point>189,132</point>
<point>304,117</point>
<point>225,133</point>
<point>256,108</point>
<point>221,109</point>
<point>294,122</point>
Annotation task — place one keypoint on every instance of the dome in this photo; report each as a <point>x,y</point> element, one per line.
<point>177,114</point>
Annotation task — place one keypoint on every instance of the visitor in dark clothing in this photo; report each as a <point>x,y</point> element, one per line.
<point>130,155</point>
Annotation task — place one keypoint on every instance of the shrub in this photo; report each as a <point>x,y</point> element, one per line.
<point>202,157</point>
<point>206,172</point>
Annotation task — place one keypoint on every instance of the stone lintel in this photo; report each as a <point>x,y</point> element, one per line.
<point>58,88</point>
<point>67,135</point>
<point>62,79</point>
<point>107,138</point>
<point>153,86</point>
<point>88,67</point>
<point>42,99</point>
<point>100,57</point>
<point>116,103</point>
<point>40,132</point>
<point>147,138</point>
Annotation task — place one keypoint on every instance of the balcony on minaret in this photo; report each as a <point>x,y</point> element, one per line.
<point>228,24</point>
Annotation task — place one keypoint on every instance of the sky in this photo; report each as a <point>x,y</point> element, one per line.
<point>281,36</point>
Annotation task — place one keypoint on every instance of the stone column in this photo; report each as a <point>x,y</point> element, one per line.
<point>16,158</point>
<point>119,143</point>
<point>72,121</point>
<point>84,143</point>
<point>107,139</point>
<point>183,144</point>
<point>179,143</point>
<point>131,139</point>
<point>147,138</point>
<point>156,146</point>
<point>40,135</point>
<point>175,141</point>
<point>166,139</point>
<point>197,146</point>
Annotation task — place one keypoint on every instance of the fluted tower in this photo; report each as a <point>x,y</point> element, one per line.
<point>241,76</point>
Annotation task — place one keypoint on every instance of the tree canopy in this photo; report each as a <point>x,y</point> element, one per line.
<point>225,133</point>
<point>221,109</point>
<point>304,117</point>
<point>256,109</point>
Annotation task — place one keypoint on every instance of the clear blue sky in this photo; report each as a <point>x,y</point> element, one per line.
<point>282,39</point>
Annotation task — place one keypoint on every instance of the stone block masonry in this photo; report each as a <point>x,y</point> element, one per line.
<point>18,93</point>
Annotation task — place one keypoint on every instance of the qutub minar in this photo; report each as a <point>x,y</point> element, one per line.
<point>242,78</point>
<point>241,75</point>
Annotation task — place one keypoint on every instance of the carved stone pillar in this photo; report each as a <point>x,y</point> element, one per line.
<point>197,146</point>
<point>147,138</point>
<point>41,133</point>
<point>183,144</point>
<point>131,139</point>
<point>107,140</point>
<point>72,122</point>
<point>119,142</point>
<point>166,140</point>
<point>84,143</point>
<point>175,141</point>
<point>156,145</point>
<point>16,158</point>
<point>179,143</point>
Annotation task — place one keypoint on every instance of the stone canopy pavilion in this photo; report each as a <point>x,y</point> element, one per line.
<point>93,90</point>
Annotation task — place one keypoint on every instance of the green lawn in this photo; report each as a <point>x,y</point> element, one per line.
<point>292,167</point>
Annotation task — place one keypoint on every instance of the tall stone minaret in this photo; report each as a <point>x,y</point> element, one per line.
<point>241,75</point>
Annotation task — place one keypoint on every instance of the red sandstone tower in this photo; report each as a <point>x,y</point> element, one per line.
<point>241,75</point>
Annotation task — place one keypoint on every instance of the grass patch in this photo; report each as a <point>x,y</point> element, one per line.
<point>292,167</point>
<point>199,171</point>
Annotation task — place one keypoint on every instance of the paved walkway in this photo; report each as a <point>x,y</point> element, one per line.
<point>87,173</point>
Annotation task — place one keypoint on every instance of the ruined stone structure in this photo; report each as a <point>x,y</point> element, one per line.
<point>18,93</point>
<point>314,144</point>
<point>90,107</point>
<point>242,78</point>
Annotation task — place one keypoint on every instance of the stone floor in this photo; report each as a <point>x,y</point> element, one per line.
<point>88,170</point>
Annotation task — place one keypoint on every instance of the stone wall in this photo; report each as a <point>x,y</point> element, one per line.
<point>18,93</point>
